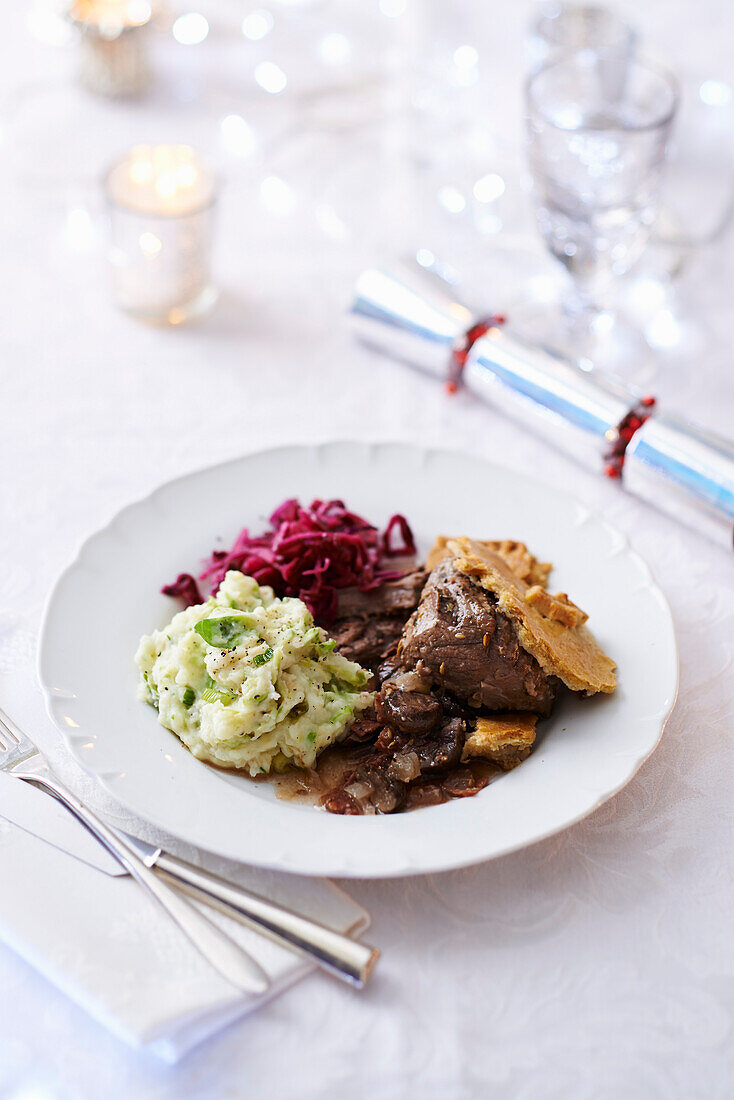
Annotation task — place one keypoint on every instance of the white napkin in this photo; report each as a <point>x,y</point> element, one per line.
<point>112,950</point>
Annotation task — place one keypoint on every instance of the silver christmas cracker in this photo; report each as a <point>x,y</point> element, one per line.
<point>606,425</point>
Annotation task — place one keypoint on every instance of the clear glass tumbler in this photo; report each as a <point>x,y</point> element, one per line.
<point>596,161</point>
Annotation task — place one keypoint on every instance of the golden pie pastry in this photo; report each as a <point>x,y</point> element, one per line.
<point>505,739</point>
<point>558,608</point>
<point>516,554</point>
<point>552,630</point>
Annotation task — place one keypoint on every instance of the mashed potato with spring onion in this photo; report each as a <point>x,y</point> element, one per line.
<point>247,681</point>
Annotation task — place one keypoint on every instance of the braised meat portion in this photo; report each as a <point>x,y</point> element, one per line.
<point>367,641</point>
<point>408,712</point>
<point>458,656</point>
<point>459,638</point>
<point>364,730</point>
<point>369,624</point>
<point>414,744</point>
<point>406,773</point>
<point>376,785</point>
<point>439,749</point>
<point>398,597</point>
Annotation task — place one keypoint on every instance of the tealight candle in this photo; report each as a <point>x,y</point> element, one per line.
<point>112,58</point>
<point>161,201</point>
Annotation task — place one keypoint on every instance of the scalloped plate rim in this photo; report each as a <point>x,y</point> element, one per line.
<point>54,697</point>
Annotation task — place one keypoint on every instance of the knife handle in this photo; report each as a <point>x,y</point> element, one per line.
<point>227,957</point>
<point>343,957</point>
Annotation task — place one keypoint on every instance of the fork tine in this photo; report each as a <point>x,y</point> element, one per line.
<point>9,732</point>
<point>14,745</point>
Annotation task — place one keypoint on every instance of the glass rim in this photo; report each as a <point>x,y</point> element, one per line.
<point>663,119</point>
<point>119,204</point>
<point>610,18</point>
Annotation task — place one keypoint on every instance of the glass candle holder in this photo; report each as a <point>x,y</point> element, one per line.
<point>161,200</point>
<point>112,57</point>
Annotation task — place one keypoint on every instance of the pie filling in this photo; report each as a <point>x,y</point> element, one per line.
<point>466,660</point>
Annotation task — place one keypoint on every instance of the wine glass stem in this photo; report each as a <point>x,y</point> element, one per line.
<point>581,308</point>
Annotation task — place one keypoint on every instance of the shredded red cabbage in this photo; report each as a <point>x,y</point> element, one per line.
<point>309,553</point>
<point>185,588</point>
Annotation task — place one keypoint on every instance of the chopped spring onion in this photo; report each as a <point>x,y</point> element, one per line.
<point>224,633</point>
<point>262,658</point>
<point>188,697</point>
<point>211,695</point>
<point>215,693</point>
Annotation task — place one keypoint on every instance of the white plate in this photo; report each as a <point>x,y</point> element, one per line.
<point>109,596</point>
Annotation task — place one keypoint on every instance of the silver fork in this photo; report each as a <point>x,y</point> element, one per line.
<point>19,757</point>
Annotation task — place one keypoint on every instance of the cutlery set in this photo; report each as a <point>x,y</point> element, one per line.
<point>168,880</point>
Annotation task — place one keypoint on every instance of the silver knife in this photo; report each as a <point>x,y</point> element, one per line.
<point>43,817</point>
<point>47,819</point>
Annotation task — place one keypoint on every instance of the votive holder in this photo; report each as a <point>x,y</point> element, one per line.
<point>161,204</point>
<point>112,45</point>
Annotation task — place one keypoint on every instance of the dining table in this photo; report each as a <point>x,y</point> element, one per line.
<point>598,963</point>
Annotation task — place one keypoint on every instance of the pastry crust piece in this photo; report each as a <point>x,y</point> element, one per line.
<point>516,554</point>
<point>570,652</point>
<point>558,608</point>
<point>505,739</point>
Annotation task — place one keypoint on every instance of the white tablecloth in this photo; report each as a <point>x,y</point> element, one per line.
<point>597,964</point>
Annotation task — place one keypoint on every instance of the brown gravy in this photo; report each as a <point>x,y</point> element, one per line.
<point>308,787</point>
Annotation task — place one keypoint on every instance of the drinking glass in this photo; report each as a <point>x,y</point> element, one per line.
<point>568,28</point>
<point>596,161</point>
